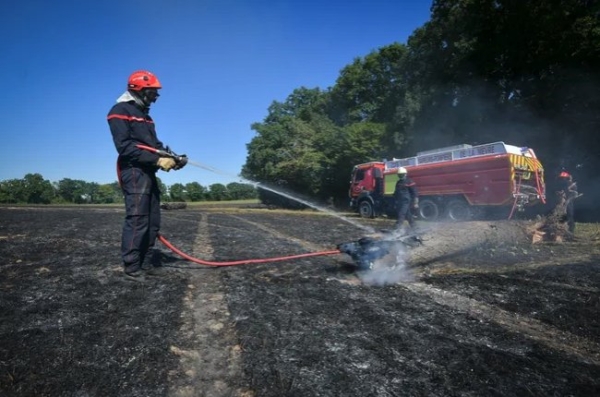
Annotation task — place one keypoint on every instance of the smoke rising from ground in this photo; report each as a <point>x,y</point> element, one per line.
<point>389,270</point>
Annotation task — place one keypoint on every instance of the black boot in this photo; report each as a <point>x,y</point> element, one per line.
<point>134,273</point>
<point>153,264</point>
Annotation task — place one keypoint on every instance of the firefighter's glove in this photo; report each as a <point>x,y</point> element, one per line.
<point>166,163</point>
<point>416,203</point>
<point>180,162</point>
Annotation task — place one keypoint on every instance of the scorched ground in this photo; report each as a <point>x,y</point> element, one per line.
<point>491,316</point>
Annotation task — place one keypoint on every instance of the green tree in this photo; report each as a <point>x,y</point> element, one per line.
<point>287,148</point>
<point>164,190</point>
<point>117,192</point>
<point>71,190</point>
<point>310,142</point>
<point>12,191</point>
<point>218,192</point>
<point>195,191</point>
<point>177,192</point>
<point>38,190</point>
<point>91,192</point>
<point>106,194</point>
<point>371,88</point>
<point>241,191</point>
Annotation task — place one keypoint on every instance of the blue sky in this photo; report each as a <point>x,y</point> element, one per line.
<point>221,64</point>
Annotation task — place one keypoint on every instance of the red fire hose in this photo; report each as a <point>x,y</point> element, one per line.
<point>163,240</point>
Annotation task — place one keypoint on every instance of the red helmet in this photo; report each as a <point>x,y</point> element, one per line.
<point>142,79</point>
<point>564,174</point>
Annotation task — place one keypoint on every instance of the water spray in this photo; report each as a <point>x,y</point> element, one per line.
<point>182,160</point>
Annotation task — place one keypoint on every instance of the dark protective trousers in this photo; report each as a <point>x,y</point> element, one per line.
<point>142,216</point>
<point>571,215</point>
<point>404,213</point>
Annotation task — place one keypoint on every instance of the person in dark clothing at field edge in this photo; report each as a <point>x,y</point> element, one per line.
<point>568,190</point>
<point>131,125</point>
<point>406,197</point>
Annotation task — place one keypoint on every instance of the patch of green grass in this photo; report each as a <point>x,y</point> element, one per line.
<point>588,230</point>
<point>222,203</point>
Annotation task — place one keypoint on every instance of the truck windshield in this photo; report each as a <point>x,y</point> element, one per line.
<point>358,175</point>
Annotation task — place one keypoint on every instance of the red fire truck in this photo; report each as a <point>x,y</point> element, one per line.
<point>454,182</point>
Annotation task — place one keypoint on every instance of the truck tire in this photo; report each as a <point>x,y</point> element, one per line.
<point>428,210</point>
<point>365,209</point>
<point>458,210</point>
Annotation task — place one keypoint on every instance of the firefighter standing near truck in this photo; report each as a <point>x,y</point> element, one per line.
<point>568,190</point>
<point>131,125</point>
<point>406,198</point>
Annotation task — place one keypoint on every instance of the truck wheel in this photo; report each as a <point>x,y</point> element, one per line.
<point>458,210</point>
<point>428,210</point>
<point>365,209</point>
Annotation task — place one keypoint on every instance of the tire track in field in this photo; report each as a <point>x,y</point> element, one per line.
<point>212,363</point>
<point>307,245</point>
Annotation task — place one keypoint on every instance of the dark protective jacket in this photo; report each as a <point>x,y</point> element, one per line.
<point>569,187</point>
<point>405,191</point>
<point>131,125</point>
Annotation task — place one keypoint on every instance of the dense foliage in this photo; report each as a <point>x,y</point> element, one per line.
<point>34,189</point>
<point>523,72</point>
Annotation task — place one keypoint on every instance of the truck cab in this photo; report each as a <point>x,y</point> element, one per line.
<point>367,192</point>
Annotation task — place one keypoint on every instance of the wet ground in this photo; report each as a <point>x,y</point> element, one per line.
<point>494,318</point>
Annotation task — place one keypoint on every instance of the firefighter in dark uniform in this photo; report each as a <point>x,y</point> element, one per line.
<point>568,190</point>
<point>131,125</point>
<point>406,197</point>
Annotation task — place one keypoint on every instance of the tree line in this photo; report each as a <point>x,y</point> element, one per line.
<point>34,189</point>
<point>523,72</point>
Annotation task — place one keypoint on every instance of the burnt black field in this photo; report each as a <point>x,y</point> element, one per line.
<point>493,321</point>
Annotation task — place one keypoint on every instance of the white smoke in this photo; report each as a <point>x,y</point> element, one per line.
<point>390,269</point>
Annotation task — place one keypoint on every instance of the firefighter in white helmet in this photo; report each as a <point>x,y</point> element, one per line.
<point>406,197</point>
